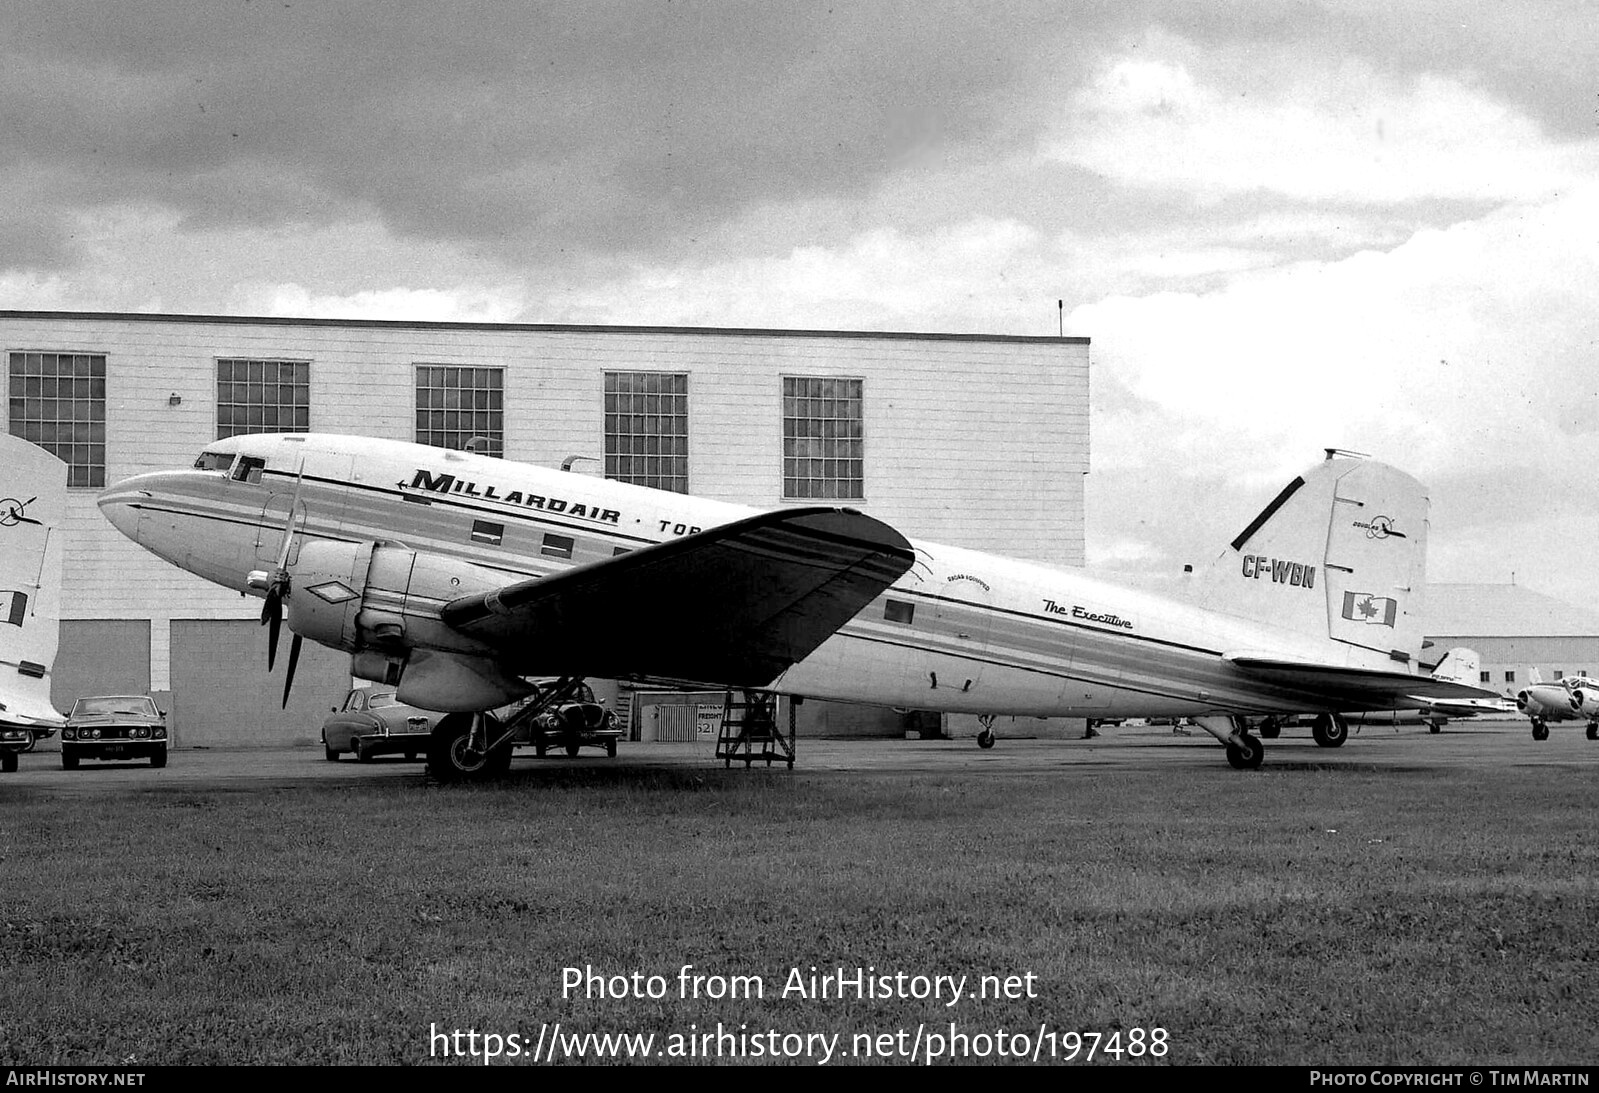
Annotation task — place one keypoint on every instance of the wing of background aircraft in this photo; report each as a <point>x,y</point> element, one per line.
<point>781,583</point>
<point>33,501</point>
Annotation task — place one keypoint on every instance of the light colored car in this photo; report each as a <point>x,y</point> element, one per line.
<point>114,727</point>
<point>374,722</point>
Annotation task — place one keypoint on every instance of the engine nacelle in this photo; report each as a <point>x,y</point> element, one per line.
<point>1544,701</point>
<point>380,602</point>
<point>1585,700</point>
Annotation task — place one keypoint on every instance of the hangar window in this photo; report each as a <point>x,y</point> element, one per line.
<point>1510,677</point>
<point>58,402</point>
<point>558,546</point>
<point>486,531</point>
<point>262,396</point>
<point>823,445</point>
<point>456,404</point>
<point>1483,677</point>
<point>646,429</point>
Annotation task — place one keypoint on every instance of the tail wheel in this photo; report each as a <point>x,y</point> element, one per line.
<point>1330,730</point>
<point>985,739</point>
<point>1247,754</point>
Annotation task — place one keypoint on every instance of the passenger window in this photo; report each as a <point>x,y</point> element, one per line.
<point>558,546</point>
<point>486,531</point>
<point>899,611</point>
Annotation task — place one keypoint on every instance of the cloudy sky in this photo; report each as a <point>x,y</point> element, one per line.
<point>1366,224</point>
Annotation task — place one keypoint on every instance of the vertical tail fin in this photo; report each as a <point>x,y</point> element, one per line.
<point>1460,665</point>
<point>1339,554</point>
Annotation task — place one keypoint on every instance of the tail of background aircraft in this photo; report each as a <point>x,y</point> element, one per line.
<point>1459,665</point>
<point>33,502</point>
<point>1339,554</point>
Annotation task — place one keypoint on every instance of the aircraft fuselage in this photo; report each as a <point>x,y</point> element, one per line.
<point>962,631</point>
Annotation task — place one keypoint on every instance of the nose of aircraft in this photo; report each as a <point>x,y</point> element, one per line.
<point>120,502</point>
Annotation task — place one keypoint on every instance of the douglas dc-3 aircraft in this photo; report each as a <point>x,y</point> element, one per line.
<point>1570,699</point>
<point>33,502</point>
<point>454,577</point>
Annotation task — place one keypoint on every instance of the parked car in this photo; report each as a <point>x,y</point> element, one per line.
<point>375,722</point>
<point>579,722</point>
<point>114,727</point>
<point>14,740</point>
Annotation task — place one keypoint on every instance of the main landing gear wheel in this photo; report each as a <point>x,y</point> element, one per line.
<point>1329,730</point>
<point>985,735</point>
<point>458,749</point>
<point>1593,730</point>
<point>8,762</point>
<point>1540,729</point>
<point>1247,754</point>
<point>1271,728</point>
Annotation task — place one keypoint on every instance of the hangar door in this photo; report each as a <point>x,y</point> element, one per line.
<point>100,657</point>
<point>222,695</point>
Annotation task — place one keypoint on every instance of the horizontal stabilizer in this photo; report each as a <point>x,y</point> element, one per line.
<point>1354,685</point>
<point>734,605</point>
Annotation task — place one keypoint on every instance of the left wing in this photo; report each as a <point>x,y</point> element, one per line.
<point>733,606</point>
<point>1355,686</point>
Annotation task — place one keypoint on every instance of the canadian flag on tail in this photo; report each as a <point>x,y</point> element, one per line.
<point>1364,607</point>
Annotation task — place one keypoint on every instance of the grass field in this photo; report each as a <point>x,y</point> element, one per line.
<point>1288,916</point>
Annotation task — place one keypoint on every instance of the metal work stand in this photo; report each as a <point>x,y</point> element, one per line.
<point>750,732</point>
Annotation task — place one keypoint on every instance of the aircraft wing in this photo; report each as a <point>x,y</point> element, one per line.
<point>1342,682</point>
<point>735,605</point>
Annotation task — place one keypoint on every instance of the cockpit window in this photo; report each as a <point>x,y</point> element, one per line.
<point>214,461</point>
<point>248,469</point>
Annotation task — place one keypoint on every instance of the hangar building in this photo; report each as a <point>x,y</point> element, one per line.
<point>1513,629</point>
<point>974,440</point>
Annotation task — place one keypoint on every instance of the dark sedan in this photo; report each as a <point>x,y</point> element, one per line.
<point>114,727</point>
<point>376,723</point>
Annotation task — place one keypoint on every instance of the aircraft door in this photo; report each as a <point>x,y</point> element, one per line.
<point>962,629</point>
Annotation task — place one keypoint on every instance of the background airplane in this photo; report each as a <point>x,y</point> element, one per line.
<point>33,502</point>
<point>456,577</point>
<point>1573,699</point>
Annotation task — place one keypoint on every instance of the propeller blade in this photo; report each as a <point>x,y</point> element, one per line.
<point>288,678</point>
<point>288,527</point>
<point>273,617</point>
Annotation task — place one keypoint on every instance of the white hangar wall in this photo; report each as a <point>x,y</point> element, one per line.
<point>978,441</point>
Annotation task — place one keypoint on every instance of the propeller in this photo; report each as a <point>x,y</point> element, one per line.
<point>277,590</point>
<point>288,675</point>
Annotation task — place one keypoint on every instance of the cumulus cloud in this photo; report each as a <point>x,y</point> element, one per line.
<point>1331,132</point>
